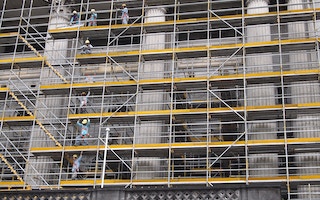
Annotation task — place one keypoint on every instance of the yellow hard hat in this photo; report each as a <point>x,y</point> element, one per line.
<point>74,12</point>
<point>87,42</point>
<point>93,10</point>
<point>75,156</point>
<point>124,5</point>
<point>84,121</point>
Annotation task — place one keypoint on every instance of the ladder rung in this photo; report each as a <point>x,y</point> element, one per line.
<point>10,167</point>
<point>37,121</point>
<point>39,55</point>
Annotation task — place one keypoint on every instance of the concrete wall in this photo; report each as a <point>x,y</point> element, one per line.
<point>160,192</point>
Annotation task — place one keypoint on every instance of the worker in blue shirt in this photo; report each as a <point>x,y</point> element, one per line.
<point>75,18</point>
<point>84,133</point>
<point>76,165</point>
<point>124,14</point>
<point>93,18</point>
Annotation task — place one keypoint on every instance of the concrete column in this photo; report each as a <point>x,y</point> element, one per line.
<point>305,125</point>
<point>263,165</point>
<point>261,94</point>
<point>55,51</point>
<point>150,131</point>
<point>257,6</point>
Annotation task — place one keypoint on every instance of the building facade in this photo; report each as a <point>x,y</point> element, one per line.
<point>208,99</point>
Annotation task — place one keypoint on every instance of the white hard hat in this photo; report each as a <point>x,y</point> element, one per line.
<point>93,10</point>
<point>74,12</point>
<point>124,5</point>
<point>87,42</point>
<point>84,121</point>
<point>75,156</point>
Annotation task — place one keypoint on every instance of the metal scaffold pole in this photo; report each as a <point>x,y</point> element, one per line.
<point>212,99</point>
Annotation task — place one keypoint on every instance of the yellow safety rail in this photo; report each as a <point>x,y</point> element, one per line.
<point>13,184</point>
<point>277,107</point>
<point>181,180</point>
<point>270,17</point>
<point>176,145</point>
<point>310,74</point>
<point>6,35</point>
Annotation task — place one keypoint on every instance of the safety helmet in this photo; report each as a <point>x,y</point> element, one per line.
<point>87,42</point>
<point>124,5</point>
<point>84,121</point>
<point>83,93</point>
<point>74,12</point>
<point>75,156</point>
<point>93,10</point>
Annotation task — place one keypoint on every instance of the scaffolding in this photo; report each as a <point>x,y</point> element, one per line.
<point>208,92</point>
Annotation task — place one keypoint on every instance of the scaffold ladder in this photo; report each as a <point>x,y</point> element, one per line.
<point>10,167</point>
<point>46,62</point>
<point>36,120</point>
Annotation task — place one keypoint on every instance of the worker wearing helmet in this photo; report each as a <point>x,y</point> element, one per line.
<point>84,133</point>
<point>75,18</point>
<point>124,14</point>
<point>83,101</point>
<point>93,18</point>
<point>76,165</point>
<point>86,48</point>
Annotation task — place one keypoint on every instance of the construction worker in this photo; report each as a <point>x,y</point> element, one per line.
<point>124,14</point>
<point>93,18</point>
<point>86,48</point>
<point>75,18</point>
<point>84,126</point>
<point>76,165</point>
<point>83,101</point>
